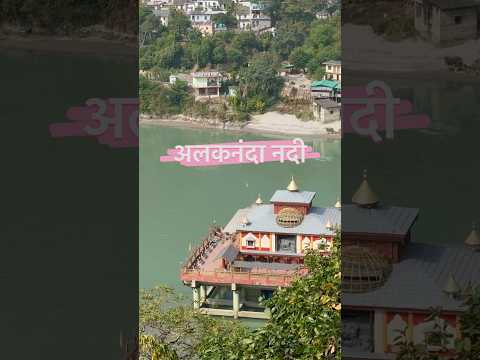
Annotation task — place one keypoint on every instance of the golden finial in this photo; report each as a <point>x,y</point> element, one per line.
<point>338,204</point>
<point>364,196</point>
<point>473,240</point>
<point>451,287</point>
<point>259,200</point>
<point>293,185</point>
<point>328,225</point>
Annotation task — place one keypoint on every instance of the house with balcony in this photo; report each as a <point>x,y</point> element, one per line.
<point>207,83</point>
<point>252,16</point>
<point>260,249</point>
<point>333,70</point>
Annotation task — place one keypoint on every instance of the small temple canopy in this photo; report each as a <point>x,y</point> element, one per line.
<point>293,185</point>
<point>451,287</point>
<point>364,196</point>
<point>259,200</point>
<point>473,239</point>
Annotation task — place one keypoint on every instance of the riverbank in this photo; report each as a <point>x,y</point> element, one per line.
<point>270,123</point>
<point>366,51</point>
<point>69,45</point>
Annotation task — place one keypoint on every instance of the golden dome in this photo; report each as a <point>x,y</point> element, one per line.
<point>364,195</point>
<point>289,217</point>
<point>292,186</point>
<point>451,287</point>
<point>363,270</point>
<point>259,200</point>
<point>473,239</point>
<point>338,204</point>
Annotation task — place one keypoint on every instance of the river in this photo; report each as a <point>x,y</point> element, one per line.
<point>177,204</point>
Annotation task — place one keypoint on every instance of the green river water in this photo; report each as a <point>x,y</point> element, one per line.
<point>177,204</point>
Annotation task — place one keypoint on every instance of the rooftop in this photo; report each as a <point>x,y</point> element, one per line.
<point>293,197</point>
<point>327,103</point>
<point>324,83</point>
<point>379,220</point>
<point>332,62</point>
<point>206,74</point>
<point>262,218</point>
<point>418,281</point>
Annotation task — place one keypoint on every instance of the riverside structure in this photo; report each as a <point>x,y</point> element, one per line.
<point>261,249</point>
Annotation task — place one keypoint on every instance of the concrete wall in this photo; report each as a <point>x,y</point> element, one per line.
<point>329,115</point>
<point>452,31</point>
<point>441,26</point>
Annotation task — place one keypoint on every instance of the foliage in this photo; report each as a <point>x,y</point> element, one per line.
<point>259,84</point>
<point>305,322</point>
<point>252,60</point>
<point>154,349</point>
<point>161,100</point>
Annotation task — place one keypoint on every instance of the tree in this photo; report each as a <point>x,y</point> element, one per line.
<point>299,58</point>
<point>179,24</point>
<point>260,80</point>
<point>219,55</point>
<point>228,20</point>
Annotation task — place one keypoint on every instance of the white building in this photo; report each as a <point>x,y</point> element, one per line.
<point>252,16</point>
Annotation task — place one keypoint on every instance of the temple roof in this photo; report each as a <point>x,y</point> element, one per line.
<point>418,281</point>
<point>293,197</point>
<point>379,220</point>
<point>263,219</point>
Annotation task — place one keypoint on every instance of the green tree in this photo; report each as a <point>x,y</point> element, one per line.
<point>179,24</point>
<point>299,58</point>
<point>260,80</point>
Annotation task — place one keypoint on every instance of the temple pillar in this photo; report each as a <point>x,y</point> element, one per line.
<point>379,331</point>
<point>203,294</point>
<point>236,300</point>
<point>196,296</point>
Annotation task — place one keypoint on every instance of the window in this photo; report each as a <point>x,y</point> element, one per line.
<point>251,243</point>
<point>458,20</point>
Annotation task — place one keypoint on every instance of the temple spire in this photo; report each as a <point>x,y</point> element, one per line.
<point>259,200</point>
<point>293,185</point>
<point>338,204</point>
<point>365,196</point>
<point>451,287</point>
<point>473,239</point>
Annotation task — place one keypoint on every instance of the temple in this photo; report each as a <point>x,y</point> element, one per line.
<point>260,249</point>
<point>390,283</point>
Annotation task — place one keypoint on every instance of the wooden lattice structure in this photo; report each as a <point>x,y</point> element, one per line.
<point>289,217</point>
<point>363,270</point>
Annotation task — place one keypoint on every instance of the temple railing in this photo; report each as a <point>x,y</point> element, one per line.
<point>264,277</point>
<point>199,253</point>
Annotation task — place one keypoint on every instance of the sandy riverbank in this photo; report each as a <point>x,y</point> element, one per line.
<point>270,123</point>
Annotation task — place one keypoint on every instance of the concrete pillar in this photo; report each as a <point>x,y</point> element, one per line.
<point>196,296</point>
<point>379,331</point>
<point>274,243</point>
<point>203,294</point>
<point>236,301</point>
